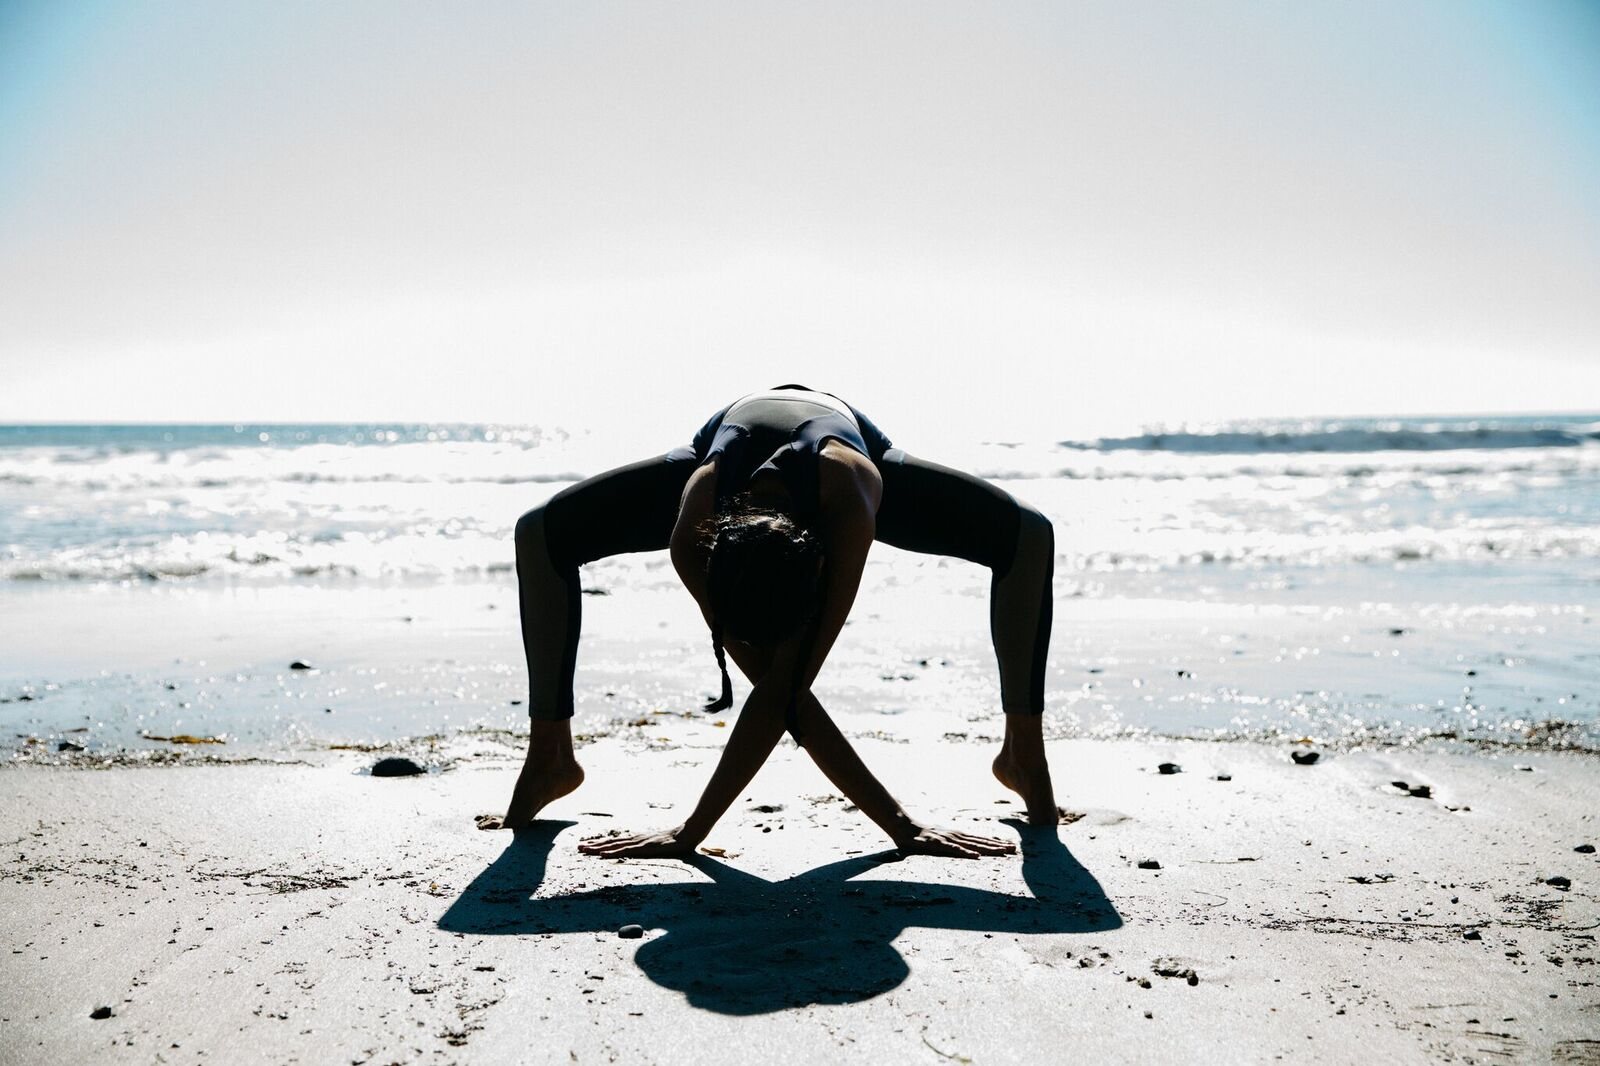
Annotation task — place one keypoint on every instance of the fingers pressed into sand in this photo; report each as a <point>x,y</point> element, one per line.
<point>664,844</point>
<point>987,845</point>
<point>955,844</point>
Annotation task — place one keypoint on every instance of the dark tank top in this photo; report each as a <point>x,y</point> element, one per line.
<point>783,430</point>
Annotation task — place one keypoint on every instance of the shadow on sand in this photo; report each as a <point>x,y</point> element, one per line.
<point>744,945</point>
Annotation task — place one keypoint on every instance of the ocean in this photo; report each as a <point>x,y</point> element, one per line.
<point>310,502</point>
<point>1479,535</point>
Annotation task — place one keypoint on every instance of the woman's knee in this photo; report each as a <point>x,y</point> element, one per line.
<point>530,535</point>
<point>1036,536</point>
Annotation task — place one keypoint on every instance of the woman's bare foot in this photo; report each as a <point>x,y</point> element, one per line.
<point>1021,766</point>
<point>549,772</point>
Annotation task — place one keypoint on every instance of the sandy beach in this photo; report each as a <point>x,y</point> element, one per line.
<point>1246,908</point>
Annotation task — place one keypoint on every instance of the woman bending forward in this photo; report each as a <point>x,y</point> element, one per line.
<point>769,516</point>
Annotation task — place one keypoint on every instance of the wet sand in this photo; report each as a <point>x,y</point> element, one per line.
<point>315,913</point>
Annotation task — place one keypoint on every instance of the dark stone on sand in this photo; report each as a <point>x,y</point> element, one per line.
<point>631,932</point>
<point>1169,768</point>
<point>100,1014</point>
<point>395,766</point>
<point>1149,864</point>
<point>1584,849</point>
<point>1305,758</point>
<point>301,664</point>
<point>1421,791</point>
<point>1171,969</point>
<point>1223,777</point>
<point>1472,934</point>
<point>67,745</point>
<point>1472,673</point>
<point>1397,632</point>
<point>1558,882</point>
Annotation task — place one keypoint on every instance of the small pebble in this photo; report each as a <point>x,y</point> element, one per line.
<point>1169,768</point>
<point>395,766</point>
<point>1397,632</point>
<point>67,745</point>
<point>1558,882</point>
<point>1421,791</point>
<point>631,932</point>
<point>1223,777</point>
<point>301,664</point>
<point>1472,934</point>
<point>1305,758</point>
<point>100,1014</point>
<point>1149,864</point>
<point>1584,849</point>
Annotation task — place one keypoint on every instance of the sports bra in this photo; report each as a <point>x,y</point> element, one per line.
<point>783,430</point>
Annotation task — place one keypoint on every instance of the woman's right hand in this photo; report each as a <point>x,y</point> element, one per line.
<point>665,844</point>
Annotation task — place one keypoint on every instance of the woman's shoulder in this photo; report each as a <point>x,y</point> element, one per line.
<point>846,479</point>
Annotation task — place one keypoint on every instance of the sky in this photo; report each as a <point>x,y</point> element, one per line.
<point>1034,219</point>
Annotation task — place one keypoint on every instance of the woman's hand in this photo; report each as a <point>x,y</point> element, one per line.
<point>666,844</point>
<point>931,840</point>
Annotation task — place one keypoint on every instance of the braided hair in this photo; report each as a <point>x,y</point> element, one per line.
<point>764,583</point>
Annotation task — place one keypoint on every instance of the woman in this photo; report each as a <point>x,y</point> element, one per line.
<point>769,516</point>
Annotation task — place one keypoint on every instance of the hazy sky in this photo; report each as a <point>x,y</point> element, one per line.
<point>1052,216</point>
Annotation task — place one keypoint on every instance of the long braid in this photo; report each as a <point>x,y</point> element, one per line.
<point>724,701</point>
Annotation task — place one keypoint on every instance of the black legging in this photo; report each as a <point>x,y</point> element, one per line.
<point>925,508</point>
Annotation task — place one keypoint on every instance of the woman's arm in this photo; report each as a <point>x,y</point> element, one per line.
<point>756,732</point>
<point>760,723</point>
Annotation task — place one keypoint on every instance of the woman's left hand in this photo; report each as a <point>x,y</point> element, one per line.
<point>666,844</point>
<point>931,840</point>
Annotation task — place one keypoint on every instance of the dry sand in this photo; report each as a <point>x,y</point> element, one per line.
<point>313,913</point>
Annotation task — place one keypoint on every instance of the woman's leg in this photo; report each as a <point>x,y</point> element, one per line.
<point>936,510</point>
<point>629,509</point>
